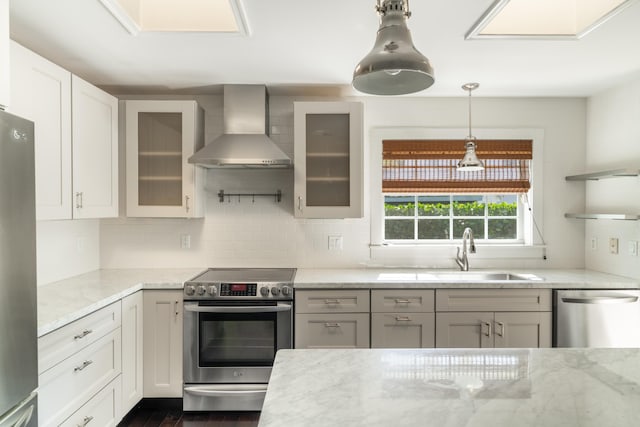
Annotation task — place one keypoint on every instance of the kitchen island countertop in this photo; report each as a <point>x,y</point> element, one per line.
<point>454,387</point>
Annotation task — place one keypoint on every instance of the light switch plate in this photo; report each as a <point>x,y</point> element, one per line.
<point>633,247</point>
<point>185,241</point>
<point>613,245</point>
<point>594,244</point>
<point>335,243</point>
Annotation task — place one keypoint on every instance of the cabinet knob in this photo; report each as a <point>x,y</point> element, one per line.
<point>501,332</point>
<point>300,203</point>
<point>186,203</point>
<point>488,325</point>
<point>79,200</point>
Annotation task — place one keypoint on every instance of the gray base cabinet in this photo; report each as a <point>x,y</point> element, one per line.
<point>493,318</point>
<point>402,318</point>
<point>332,318</point>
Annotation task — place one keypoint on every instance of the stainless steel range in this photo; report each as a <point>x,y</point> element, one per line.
<point>235,320</point>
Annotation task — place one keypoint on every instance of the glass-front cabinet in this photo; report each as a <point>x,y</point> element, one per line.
<point>161,135</point>
<point>328,159</point>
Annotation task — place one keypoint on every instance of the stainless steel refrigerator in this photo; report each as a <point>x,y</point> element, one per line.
<point>18,317</point>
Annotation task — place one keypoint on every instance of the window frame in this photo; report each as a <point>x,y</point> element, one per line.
<point>530,240</point>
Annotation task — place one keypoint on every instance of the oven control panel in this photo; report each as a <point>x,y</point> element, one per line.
<point>238,289</point>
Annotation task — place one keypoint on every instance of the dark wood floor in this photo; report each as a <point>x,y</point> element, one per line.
<point>154,417</point>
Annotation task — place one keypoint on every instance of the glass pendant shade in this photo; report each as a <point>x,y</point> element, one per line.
<point>394,66</point>
<point>470,162</point>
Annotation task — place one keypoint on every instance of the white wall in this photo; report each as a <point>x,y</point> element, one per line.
<point>265,233</point>
<point>66,248</point>
<point>613,142</point>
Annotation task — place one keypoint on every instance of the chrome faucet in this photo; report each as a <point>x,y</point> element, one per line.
<point>463,261</point>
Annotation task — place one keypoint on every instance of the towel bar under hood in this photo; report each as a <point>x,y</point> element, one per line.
<point>245,142</point>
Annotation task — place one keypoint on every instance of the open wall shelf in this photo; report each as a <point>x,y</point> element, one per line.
<point>594,176</point>
<point>625,217</point>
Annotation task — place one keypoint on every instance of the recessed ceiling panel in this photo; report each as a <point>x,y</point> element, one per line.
<point>544,18</point>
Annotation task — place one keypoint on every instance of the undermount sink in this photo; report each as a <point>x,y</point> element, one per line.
<point>459,276</point>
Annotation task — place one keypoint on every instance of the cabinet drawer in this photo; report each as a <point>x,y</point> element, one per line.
<point>62,343</point>
<point>493,300</point>
<point>332,301</point>
<point>67,386</point>
<point>102,410</point>
<point>403,330</point>
<point>402,301</point>
<point>348,330</point>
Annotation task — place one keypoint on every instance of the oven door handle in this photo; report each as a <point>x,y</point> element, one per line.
<point>238,309</point>
<point>208,391</point>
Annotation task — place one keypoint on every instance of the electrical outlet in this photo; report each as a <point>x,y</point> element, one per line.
<point>594,244</point>
<point>613,245</point>
<point>185,241</point>
<point>633,247</point>
<point>335,243</point>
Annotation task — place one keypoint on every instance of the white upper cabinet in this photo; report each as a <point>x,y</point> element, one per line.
<point>95,151</point>
<point>35,78</point>
<point>328,160</point>
<point>4,54</point>
<point>76,138</point>
<point>161,135</point>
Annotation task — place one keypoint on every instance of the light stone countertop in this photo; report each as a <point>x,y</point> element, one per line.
<point>424,278</point>
<point>62,302</point>
<point>454,388</point>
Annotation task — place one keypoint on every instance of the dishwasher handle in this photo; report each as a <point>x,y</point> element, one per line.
<point>627,299</point>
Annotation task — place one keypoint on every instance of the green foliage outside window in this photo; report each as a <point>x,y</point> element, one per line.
<point>434,228</point>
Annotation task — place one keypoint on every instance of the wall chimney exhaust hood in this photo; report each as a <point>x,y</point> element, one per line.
<point>245,142</point>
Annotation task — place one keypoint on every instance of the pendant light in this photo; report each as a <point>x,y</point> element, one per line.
<point>470,162</point>
<point>394,66</point>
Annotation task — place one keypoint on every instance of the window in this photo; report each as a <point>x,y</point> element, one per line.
<point>427,199</point>
<point>415,217</point>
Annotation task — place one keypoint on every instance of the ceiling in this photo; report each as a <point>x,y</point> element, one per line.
<point>313,46</point>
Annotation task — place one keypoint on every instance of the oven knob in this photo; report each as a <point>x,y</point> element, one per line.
<point>286,291</point>
<point>264,291</point>
<point>213,290</point>
<point>201,290</point>
<point>275,291</point>
<point>189,290</point>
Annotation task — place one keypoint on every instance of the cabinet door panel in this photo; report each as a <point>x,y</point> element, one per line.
<point>102,410</point>
<point>464,330</point>
<point>347,330</point>
<point>95,151</point>
<point>132,341</point>
<point>328,159</point>
<point>35,78</point>
<point>493,300</point>
<point>162,339</point>
<point>402,330</point>
<point>522,330</point>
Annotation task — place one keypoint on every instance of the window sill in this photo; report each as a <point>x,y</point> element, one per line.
<point>444,254</point>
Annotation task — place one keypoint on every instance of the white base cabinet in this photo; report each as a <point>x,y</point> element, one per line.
<point>102,410</point>
<point>162,343</point>
<point>132,355</point>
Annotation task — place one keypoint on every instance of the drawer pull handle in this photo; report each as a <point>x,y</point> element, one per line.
<point>84,365</point>
<point>501,333</point>
<point>402,301</point>
<point>85,421</point>
<point>403,319</point>
<point>332,325</point>
<point>488,325</point>
<point>332,301</point>
<point>83,334</point>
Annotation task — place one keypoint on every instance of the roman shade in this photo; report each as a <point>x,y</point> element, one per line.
<point>429,166</point>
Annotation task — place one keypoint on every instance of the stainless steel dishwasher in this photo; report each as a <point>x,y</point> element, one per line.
<point>597,318</point>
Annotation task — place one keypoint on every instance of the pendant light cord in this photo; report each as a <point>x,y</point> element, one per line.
<point>470,113</point>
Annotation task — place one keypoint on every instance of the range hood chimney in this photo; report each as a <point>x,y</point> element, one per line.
<point>245,142</point>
